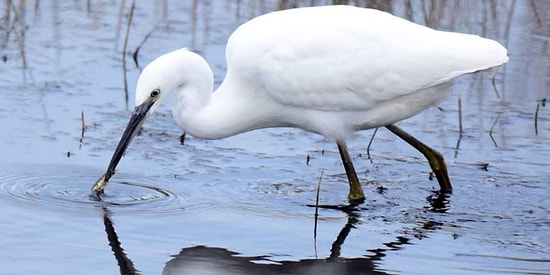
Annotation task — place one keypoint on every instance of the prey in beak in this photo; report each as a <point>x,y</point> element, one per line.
<point>139,115</point>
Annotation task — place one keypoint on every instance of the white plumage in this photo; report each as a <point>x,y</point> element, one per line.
<point>331,70</point>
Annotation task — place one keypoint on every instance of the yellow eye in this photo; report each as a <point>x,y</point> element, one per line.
<point>155,93</point>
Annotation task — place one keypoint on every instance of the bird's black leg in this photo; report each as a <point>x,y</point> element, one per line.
<point>435,159</point>
<point>356,194</point>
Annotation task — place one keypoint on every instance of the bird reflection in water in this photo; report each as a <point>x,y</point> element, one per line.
<point>215,260</point>
<point>126,265</point>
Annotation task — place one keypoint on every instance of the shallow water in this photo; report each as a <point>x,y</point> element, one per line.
<point>240,205</point>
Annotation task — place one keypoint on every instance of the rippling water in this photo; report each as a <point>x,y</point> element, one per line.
<point>242,205</point>
<point>59,188</point>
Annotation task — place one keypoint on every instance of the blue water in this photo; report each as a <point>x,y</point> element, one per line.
<point>240,205</point>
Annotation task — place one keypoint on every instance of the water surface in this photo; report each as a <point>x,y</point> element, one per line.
<point>240,205</point>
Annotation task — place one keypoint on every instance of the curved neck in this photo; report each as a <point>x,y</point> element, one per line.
<point>223,113</point>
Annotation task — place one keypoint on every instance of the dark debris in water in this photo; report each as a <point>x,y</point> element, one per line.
<point>182,138</point>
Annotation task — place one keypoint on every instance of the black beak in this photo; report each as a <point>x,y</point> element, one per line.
<point>134,125</point>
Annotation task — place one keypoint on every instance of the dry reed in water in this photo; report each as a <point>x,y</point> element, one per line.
<point>83,128</point>
<point>130,16</point>
<point>492,128</point>
<point>317,211</point>
<point>370,142</point>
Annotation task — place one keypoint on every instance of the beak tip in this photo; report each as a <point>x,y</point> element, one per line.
<point>97,188</point>
<point>134,125</point>
<point>96,196</point>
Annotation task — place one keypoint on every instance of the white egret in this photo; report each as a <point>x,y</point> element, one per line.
<point>331,70</point>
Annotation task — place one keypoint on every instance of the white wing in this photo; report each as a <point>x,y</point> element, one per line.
<point>347,58</point>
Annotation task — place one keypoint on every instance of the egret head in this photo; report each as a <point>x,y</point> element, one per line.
<point>174,71</point>
<point>155,83</point>
<point>157,80</point>
<point>180,70</point>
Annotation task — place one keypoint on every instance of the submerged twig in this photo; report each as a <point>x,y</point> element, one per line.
<point>317,212</point>
<point>483,165</point>
<point>460,116</point>
<point>136,52</point>
<point>460,128</point>
<point>120,16</point>
<point>493,81</point>
<point>492,128</point>
<point>370,142</point>
<point>130,16</point>
<point>83,127</point>
<point>457,146</point>
<point>542,103</point>
<point>536,119</point>
<point>480,165</point>
<point>14,18</point>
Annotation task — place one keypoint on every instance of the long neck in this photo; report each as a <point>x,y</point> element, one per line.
<point>227,111</point>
